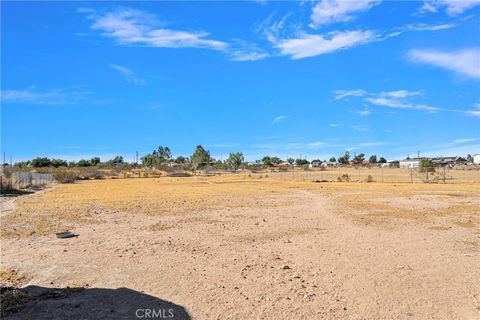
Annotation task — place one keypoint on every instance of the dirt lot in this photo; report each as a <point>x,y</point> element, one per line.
<point>245,248</point>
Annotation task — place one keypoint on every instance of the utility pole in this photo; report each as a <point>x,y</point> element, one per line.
<point>418,154</point>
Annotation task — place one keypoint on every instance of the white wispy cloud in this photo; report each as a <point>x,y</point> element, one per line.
<point>364,113</point>
<point>459,141</point>
<point>452,7</point>
<point>428,27</point>
<point>334,125</point>
<point>475,112</point>
<point>372,144</point>
<point>400,104</point>
<point>360,128</point>
<point>465,62</point>
<point>309,45</point>
<point>399,99</point>
<point>243,51</point>
<point>57,96</point>
<point>332,11</point>
<point>398,94</point>
<point>317,144</point>
<point>136,27</point>
<point>128,75</point>
<point>279,118</point>
<point>340,94</point>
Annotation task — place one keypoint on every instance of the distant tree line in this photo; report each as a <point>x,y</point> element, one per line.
<point>200,158</point>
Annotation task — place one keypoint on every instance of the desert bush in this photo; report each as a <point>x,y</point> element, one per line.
<point>426,165</point>
<point>65,176</point>
<point>343,178</point>
<point>370,179</point>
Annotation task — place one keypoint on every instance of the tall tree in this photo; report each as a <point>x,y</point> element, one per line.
<point>235,160</point>
<point>200,156</point>
<point>373,159</point>
<point>359,158</point>
<point>345,158</point>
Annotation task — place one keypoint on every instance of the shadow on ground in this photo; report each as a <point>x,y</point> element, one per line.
<point>96,303</point>
<point>16,193</point>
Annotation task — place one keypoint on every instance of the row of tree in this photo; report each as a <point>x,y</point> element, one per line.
<point>47,162</point>
<point>199,158</point>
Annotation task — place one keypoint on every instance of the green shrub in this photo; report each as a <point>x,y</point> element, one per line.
<point>65,176</point>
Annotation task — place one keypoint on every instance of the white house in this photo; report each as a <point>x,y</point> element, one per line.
<point>330,164</point>
<point>410,163</point>
<point>476,158</point>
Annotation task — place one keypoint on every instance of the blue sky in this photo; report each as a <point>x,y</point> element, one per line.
<point>81,79</point>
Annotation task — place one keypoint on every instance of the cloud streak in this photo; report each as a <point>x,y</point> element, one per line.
<point>452,7</point>
<point>279,118</point>
<point>333,11</point>
<point>138,28</point>
<point>464,62</point>
<point>63,96</point>
<point>310,45</point>
<point>128,75</point>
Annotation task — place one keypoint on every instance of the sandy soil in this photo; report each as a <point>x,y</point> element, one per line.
<point>215,248</point>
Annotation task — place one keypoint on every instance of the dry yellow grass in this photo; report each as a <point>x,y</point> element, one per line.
<point>89,201</point>
<point>10,278</point>
<point>85,202</point>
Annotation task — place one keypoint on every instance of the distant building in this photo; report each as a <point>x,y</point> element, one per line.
<point>315,164</point>
<point>410,163</point>
<point>448,161</point>
<point>476,158</point>
<point>330,164</point>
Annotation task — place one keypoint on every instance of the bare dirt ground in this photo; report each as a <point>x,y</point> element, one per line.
<point>234,248</point>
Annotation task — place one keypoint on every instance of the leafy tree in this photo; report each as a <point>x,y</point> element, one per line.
<point>469,158</point>
<point>317,160</point>
<point>235,160</point>
<point>181,159</point>
<point>267,161</point>
<point>276,160</point>
<point>40,162</point>
<point>83,163</point>
<point>359,158</point>
<point>291,161</point>
<point>426,165</point>
<point>332,159</point>
<point>301,162</point>
<point>117,160</point>
<point>382,160</point>
<point>94,161</point>
<point>72,164</point>
<point>373,159</point>
<point>200,156</point>
<point>22,164</point>
<point>345,158</point>
<point>58,163</point>
<point>163,154</point>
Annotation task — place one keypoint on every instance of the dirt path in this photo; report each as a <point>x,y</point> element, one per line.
<point>309,260</point>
